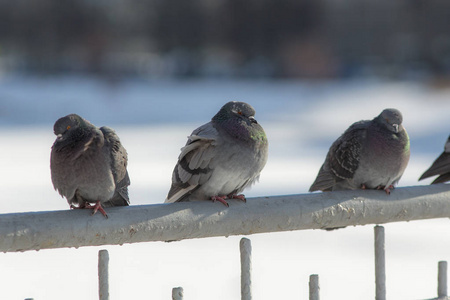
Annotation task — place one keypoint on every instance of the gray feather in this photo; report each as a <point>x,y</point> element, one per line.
<point>89,164</point>
<point>119,163</point>
<point>221,157</point>
<point>373,154</point>
<point>441,166</point>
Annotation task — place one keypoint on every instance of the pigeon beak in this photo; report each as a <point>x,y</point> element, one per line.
<point>252,119</point>
<point>59,136</point>
<point>395,127</point>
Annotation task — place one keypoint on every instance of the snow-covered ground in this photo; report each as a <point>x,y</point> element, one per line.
<point>153,118</point>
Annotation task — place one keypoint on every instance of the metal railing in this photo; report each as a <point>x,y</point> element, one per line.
<point>178,221</point>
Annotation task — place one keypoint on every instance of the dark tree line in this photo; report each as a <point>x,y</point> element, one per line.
<point>307,38</point>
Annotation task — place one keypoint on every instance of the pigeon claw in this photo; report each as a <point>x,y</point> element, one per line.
<point>363,186</point>
<point>220,199</point>
<point>240,197</point>
<point>98,207</point>
<point>388,189</point>
<point>81,206</point>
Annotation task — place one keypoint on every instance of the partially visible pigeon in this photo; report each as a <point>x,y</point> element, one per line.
<point>221,158</point>
<point>89,165</point>
<point>369,155</point>
<point>441,166</point>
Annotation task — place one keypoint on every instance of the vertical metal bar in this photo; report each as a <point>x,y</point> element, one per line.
<point>442,279</point>
<point>380,264</point>
<point>103,275</point>
<point>314,287</point>
<point>177,293</point>
<point>246,269</point>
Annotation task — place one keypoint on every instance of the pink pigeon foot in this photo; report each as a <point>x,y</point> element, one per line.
<point>220,199</point>
<point>388,189</point>
<point>81,206</point>
<point>240,197</point>
<point>98,207</point>
<point>363,186</point>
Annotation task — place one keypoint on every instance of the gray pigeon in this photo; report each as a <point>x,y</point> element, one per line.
<point>441,166</point>
<point>89,165</point>
<point>370,154</point>
<point>221,158</point>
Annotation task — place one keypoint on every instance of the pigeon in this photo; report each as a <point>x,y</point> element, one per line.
<point>441,166</point>
<point>221,158</point>
<point>89,165</point>
<point>371,154</point>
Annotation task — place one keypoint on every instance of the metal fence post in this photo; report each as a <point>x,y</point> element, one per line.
<point>314,287</point>
<point>380,264</point>
<point>246,269</point>
<point>177,293</point>
<point>103,275</point>
<point>442,279</point>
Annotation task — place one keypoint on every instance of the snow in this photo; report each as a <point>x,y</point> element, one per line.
<point>153,118</point>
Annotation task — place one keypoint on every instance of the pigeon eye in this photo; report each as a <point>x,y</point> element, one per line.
<point>68,127</point>
<point>240,113</point>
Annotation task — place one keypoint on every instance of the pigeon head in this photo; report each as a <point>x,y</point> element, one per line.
<point>236,110</point>
<point>238,120</point>
<point>391,118</point>
<point>67,124</point>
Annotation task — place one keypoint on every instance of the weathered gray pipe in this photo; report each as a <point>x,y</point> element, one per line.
<point>245,247</point>
<point>177,293</point>
<point>178,221</point>
<point>314,287</point>
<point>103,275</point>
<point>442,279</point>
<point>380,264</point>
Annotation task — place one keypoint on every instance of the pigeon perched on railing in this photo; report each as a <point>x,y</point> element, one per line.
<point>221,158</point>
<point>89,165</point>
<point>369,155</point>
<point>441,166</point>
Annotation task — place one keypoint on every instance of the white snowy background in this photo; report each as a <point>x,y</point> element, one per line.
<point>153,118</point>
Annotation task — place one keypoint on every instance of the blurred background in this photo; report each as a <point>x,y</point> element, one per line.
<point>155,70</point>
<point>312,39</point>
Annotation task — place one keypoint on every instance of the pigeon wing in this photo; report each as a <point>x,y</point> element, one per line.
<point>195,163</point>
<point>441,166</point>
<point>342,159</point>
<point>119,162</point>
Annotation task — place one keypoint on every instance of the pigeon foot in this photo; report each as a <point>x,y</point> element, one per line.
<point>388,189</point>
<point>81,206</point>
<point>98,207</point>
<point>220,199</point>
<point>240,197</point>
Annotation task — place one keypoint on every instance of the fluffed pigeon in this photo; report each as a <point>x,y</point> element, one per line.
<point>441,166</point>
<point>221,158</point>
<point>89,165</point>
<point>370,154</point>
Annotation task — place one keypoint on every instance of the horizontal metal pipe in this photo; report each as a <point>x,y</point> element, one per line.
<point>200,219</point>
